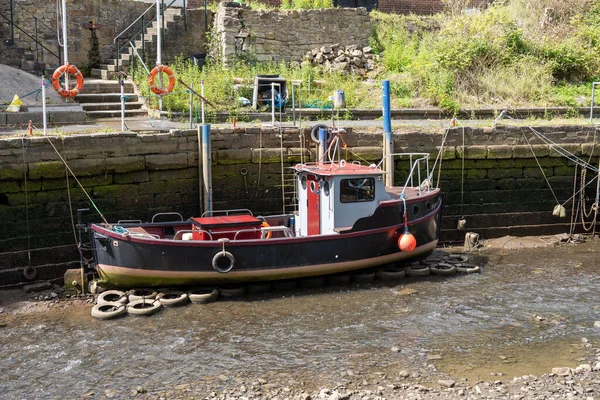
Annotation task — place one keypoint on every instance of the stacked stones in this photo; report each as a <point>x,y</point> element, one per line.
<point>348,59</point>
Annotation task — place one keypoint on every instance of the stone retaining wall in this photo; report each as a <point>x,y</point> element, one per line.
<point>113,15</point>
<point>134,176</point>
<point>276,35</point>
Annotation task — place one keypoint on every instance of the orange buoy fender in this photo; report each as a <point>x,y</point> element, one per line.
<point>152,76</point>
<point>71,70</point>
<point>407,242</point>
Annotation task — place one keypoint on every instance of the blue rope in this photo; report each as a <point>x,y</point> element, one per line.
<point>119,229</point>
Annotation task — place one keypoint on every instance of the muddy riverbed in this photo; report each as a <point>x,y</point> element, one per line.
<point>497,334</point>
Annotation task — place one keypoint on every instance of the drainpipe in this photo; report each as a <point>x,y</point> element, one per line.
<point>388,136</point>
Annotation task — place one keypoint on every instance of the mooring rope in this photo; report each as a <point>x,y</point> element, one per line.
<point>541,169</point>
<point>77,180</point>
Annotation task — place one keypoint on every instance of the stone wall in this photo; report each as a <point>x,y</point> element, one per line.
<point>276,35</point>
<point>134,176</point>
<point>113,15</point>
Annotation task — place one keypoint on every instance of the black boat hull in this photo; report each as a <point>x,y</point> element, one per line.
<point>128,261</point>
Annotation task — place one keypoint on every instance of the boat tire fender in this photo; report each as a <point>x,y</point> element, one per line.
<point>108,310</point>
<point>468,269</point>
<point>410,271</point>
<point>141,294</point>
<point>219,255</point>
<point>143,307</point>
<point>112,296</point>
<point>173,298</point>
<point>30,272</point>
<point>203,296</point>
<point>443,269</point>
<point>391,273</point>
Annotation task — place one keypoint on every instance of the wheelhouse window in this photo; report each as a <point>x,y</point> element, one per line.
<point>357,190</point>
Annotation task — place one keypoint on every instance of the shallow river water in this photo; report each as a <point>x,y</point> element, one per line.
<point>526,313</point>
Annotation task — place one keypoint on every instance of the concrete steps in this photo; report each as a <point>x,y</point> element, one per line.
<point>102,99</point>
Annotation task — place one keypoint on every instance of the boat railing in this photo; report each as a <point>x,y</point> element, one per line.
<point>179,234</point>
<point>418,164</point>
<point>264,231</point>
<point>237,211</point>
<point>175,214</point>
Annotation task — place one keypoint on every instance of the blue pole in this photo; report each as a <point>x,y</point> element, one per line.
<point>322,143</point>
<point>385,97</point>
<point>206,168</point>
<point>388,140</point>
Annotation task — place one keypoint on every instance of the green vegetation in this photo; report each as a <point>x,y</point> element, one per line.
<point>305,4</point>
<point>516,54</point>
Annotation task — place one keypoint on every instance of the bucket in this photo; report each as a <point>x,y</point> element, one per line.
<point>339,100</point>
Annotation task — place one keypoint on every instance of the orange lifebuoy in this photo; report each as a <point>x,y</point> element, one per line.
<point>266,234</point>
<point>166,70</point>
<point>71,70</point>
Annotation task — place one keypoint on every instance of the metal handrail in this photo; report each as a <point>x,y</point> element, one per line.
<point>31,37</point>
<point>143,28</point>
<point>168,213</point>
<point>286,231</point>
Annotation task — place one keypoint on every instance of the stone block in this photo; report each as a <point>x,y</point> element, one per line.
<point>537,173</point>
<point>87,167</point>
<point>11,172</point>
<point>121,165</point>
<point>10,187</point>
<point>499,152</point>
<point>113,191</point>
<point>476,173</point>
<point>588,149</point>
<point>543,161</point>
<point>2,118</point>
<point>168,200</point>
<point>237,156</point>
<point>168,175</point>
<point>494,163</point>
<point>472,152</point>
<point>564,171</point>
<point>370,153</point>
<point>506,184</point>
<point>131,177</point>
<point>524,151</point>
<point>501,173</point>
<point>166,161</point>
<point>569,147</point>
<point>47,169</point>
<point>449,153</point>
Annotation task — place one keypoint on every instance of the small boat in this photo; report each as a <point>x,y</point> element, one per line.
<point>346,220</point>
